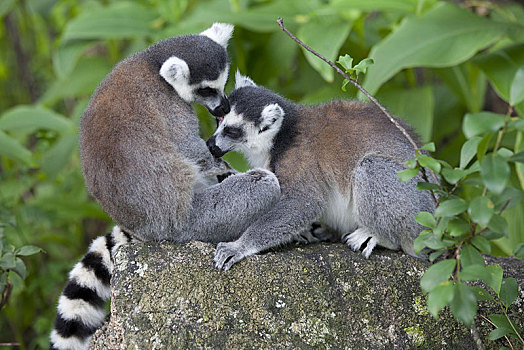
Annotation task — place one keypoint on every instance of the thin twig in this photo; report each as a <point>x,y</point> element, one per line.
<point>9,344</point>
<point>494,325</point>
<point>368,95</point>
<point>5,294</point>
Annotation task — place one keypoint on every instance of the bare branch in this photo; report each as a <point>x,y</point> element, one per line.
<point>372,99</point>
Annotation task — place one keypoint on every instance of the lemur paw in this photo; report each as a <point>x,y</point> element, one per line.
<point>356,239</point>
<point>228,253</point>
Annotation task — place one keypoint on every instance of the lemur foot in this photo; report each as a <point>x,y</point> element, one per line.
<point>356,239</point>
<point>228,253</point>
<point>316,234</point>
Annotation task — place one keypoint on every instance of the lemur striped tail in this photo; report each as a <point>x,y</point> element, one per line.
<point>81,307</point>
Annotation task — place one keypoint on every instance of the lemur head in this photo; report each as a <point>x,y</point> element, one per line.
<point>250,127</point>
<point>196,66</point>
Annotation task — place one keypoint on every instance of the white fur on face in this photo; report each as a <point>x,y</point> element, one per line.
<point>176,72</point>
<point>242,80</point>
<point>254,145</point>
<point>218,84</point>
<point>219,33</point>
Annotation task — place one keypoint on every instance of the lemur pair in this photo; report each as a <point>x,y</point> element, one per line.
<point>146,165</point>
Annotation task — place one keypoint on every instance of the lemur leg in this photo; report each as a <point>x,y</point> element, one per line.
<point>385,207</point>
<point>222,212</point>
<point>287,219</point>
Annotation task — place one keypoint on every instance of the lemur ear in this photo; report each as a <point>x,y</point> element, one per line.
<point>219,33</point>
<point>271,114</point>
<point>174,70</point>
<point>242,80</point>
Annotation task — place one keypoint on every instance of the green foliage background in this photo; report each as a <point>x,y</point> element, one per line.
<point>434,62</point>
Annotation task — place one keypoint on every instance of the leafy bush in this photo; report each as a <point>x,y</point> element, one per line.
<point>440,66</point>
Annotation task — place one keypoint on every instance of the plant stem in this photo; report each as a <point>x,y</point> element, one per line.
<point>280,22</point>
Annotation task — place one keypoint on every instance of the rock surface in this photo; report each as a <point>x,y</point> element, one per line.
<point>322,296</point>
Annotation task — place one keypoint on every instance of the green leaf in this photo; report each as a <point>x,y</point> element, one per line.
<point>516,91</point>
<point>416,106</point>
<point>519,251</point>
<point>363,65</point>
<point>501,321</point>
<point>56,158</point>
<point>428,162</point>
<point>427,239</point>
<point>454,175</point>
<point>468,151</point>
<point>498,333</point>
<point>28,250</point>
<point>430,147</point>
<point>425,219</point>
<point>439,297</point>
<point>327,39</point>
<point>5,7</point>
<point>495,172</point>
<point>512,194</point>
<point>32,118</point>
<point>483,146</point>
<point>458,227</point>
<point>519,157</point>
<point>10,148</point>
<point>436,274</point>
<point>116,21</point>
<point>376,5</point>
<point>346,62</point>
<point>481,123</point>
<point>509,291</point>
<point>481,293</point>
<point>433,256</point>
<point>427,186</point>
<point>496,277</point>
<point>417,42</point>
<point>475,272</point>
<point>501,67</point>
<point>451,207</point>
<point>20,268</point>
<point>7,261</point>
<point>408,174</point>
<point>464,304</point>
<point>481,210</point>
<point>66,57</point>
<point>470,256</point>
<point>482,244</point>
<point>498,224</point>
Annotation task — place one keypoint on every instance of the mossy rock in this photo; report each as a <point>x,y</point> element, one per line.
<point>322,296</point>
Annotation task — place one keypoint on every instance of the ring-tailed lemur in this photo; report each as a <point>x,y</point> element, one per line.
<point>144,162</point>
<point>336,162</point>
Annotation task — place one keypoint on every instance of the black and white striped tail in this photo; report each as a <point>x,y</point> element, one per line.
<point>81,307</point>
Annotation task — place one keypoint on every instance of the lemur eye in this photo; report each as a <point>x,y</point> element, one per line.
<point>206,92</point>
<point>233,132</point>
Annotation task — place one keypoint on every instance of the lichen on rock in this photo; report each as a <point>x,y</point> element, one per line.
<point>322,296</point>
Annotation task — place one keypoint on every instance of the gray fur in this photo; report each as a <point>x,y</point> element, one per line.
<point>142,157</point>
<point>336,164</point>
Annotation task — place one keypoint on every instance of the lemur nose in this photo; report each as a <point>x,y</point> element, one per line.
<point>213,148</point>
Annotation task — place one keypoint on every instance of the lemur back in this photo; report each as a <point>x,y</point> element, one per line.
<point>144,162</point>
<point>336,163</point>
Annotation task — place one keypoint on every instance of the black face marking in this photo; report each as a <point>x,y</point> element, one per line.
<point>265,128</point>
<point>207,92</point>
<point>233,132</point>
